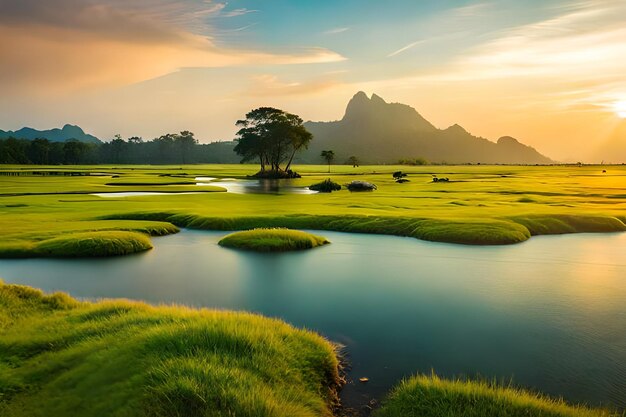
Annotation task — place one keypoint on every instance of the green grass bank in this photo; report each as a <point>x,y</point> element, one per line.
<point>272,240</point>
<point>430,396</point>
<point>92,243</point>
<point>62,357</point>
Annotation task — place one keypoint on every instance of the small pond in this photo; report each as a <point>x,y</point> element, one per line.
<point>255,186</point>
<point>549,313</point>
<point>232,185</point>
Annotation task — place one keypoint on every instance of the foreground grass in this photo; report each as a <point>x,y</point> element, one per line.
<point>272,240</point>
<point>480,205</point>
<point>430,396</point>
<point>62,357</point>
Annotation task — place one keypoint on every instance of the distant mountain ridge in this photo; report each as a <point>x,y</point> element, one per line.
<point>53,135</point>
<point>379,132</point>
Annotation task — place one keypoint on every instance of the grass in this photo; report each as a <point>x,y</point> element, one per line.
<point>61,357</point>
<point>470,232</point>
<point>90,244</point>
<point>430,396</point>
<point>112,243</point>
<point>272,240</point>
<point>480,205</point>
<point>121,240</point>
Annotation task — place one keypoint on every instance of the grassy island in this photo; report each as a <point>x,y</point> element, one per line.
<point>62,357</point>
<point>430,396</point>
<point>88,243</point>
<point>272,240</point>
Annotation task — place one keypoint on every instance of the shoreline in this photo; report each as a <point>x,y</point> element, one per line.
<point>475,232</point>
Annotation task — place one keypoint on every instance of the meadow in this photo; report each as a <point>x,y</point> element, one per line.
<point>479,205</point>
<point>119,357</point>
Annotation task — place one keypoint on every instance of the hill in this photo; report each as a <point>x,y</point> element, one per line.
<point>379,132</point>
<point>53,135</point>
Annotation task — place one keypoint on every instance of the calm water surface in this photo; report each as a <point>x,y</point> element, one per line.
<point>232,185</point>
<point>549,313</point>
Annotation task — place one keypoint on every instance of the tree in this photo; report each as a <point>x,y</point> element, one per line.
<point>354,161</point>
<point>165,145</point>
<point>117,148</point>
<point>73,151</point>
<point>185,143</point>
<point>271,137</point>
<point>329,156</point>
<point>39,152</point>
<point>135,140</point>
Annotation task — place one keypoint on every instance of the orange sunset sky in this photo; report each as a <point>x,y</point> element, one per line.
<point>551,73</point>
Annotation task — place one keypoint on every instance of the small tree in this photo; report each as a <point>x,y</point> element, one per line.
<point>354,161</point>
<point>329,156</point>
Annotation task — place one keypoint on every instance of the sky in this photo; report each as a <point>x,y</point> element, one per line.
<point>551,73</point>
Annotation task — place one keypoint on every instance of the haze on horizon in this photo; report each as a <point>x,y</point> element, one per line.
<point>548,72</point>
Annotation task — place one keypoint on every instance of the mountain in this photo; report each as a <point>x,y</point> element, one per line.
<point>379,132</point>
<point>53,135</point>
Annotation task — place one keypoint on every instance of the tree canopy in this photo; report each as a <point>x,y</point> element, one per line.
<point>171,148</point>
<point>271,137</point>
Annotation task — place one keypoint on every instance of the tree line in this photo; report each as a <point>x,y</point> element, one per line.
<point>271,137</point>
<point>172,148</point>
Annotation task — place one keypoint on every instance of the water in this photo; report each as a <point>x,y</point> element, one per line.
<point>122,194</point>
<point>549,313</point>
<point>261,186</point>
<point>232,185</point>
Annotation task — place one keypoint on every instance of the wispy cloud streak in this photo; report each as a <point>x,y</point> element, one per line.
<point>336,31</point>
<point>405,48</point>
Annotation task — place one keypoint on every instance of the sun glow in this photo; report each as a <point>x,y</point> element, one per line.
<point>620,108</point>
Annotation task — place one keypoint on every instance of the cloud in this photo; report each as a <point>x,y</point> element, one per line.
<point>238,12</point>
<point>588,42</point>
<point>405,48</point>
<point>336,31</point>
<point>580,49</point>
<point>471,10</point>
<point>271,85</point>
<point>242,28</point>
<point>70,45</point>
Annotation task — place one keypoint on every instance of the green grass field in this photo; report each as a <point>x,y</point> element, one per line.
<point>480,204</point>
<point>272,240</point>
<point>430,396</point>
<point>61,357</point>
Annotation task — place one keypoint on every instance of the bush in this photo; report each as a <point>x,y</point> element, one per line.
<point>361,186</point>
<point>326,186</point>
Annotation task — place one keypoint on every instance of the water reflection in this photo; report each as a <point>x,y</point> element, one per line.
<point>261,186</point>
